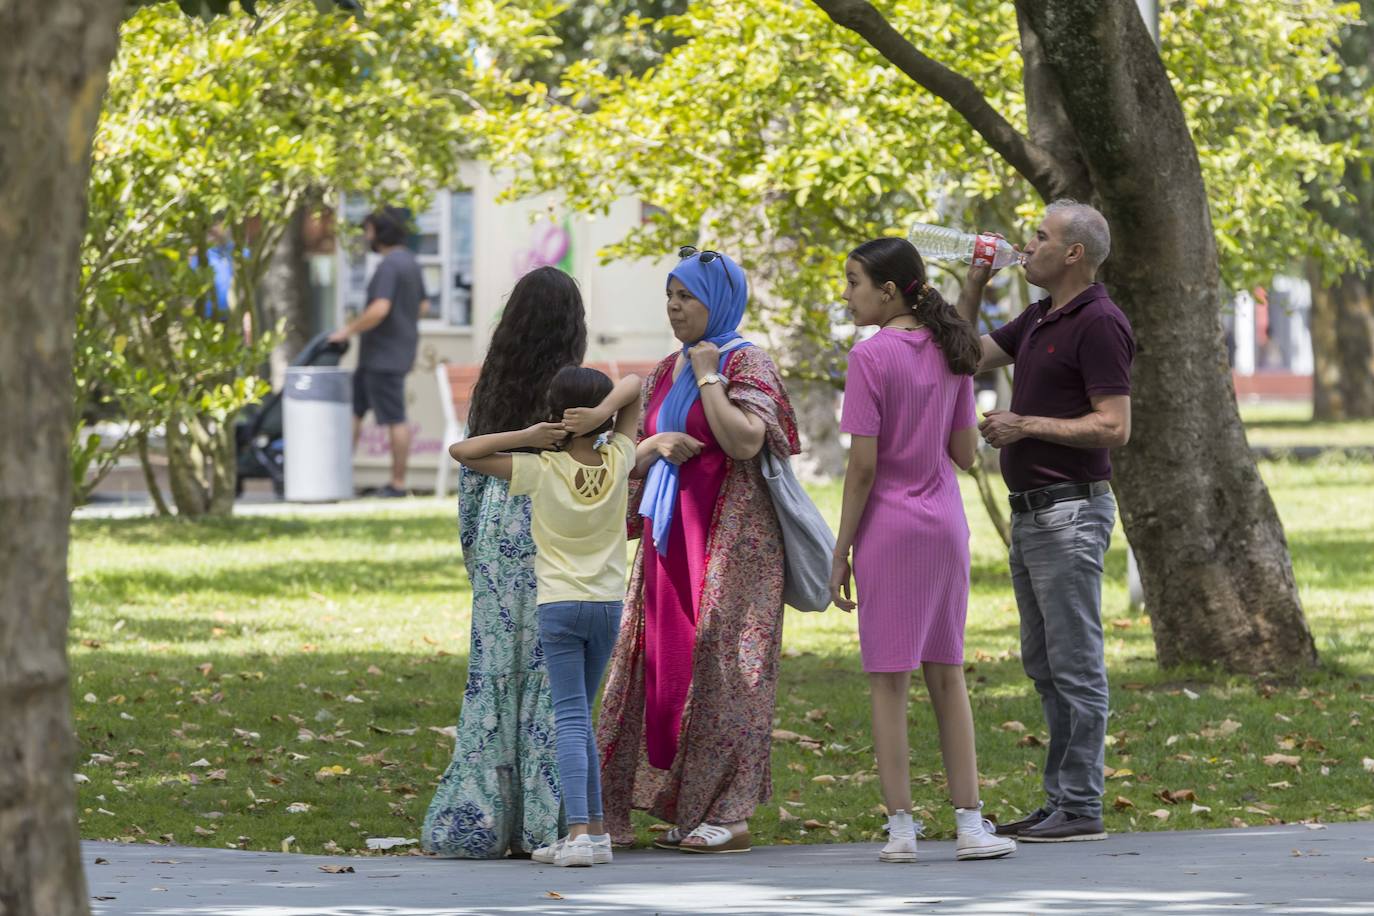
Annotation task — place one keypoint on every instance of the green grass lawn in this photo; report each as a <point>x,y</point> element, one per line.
<point>272,683</point>
<point>1289,424</point>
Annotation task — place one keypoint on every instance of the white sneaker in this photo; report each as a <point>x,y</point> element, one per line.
<point>901,839</point>
<point>576,853</point>
<point>977,837</point>
<point>601,849</point>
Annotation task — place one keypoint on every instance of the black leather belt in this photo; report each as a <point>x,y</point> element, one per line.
<point>1043,497</point>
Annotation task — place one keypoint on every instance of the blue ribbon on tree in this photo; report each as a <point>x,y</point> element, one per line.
<point>721,286</point>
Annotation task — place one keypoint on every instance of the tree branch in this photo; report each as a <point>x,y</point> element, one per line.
<point>1035,164</point>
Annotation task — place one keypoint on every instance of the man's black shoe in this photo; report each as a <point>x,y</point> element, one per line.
<point>390,492</point>
<point>1063,827</point>
<point>1030,820</point>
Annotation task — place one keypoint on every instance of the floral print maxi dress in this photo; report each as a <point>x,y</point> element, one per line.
<point>501,789</point>
<point>721,770</point>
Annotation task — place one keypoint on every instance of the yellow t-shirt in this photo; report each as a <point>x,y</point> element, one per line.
<point>578,524</point>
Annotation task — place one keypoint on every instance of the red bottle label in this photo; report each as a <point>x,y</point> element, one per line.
<point>984,250</point>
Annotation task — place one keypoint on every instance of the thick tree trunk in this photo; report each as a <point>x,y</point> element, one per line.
<point>1343,348</point>
<point>52,79</point>
<point>1214,562</point>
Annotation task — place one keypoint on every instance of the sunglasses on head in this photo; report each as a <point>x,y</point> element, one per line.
<point>706,257</point>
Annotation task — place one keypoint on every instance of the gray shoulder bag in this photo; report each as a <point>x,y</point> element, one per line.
<point>808,544</point>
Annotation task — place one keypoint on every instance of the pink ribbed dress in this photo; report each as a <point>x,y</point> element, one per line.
<point>911,559</point>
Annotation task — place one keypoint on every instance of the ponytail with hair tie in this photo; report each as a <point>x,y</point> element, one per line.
<point>883,260</point>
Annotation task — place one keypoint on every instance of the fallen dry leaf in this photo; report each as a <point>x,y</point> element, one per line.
<point>785,815</point>
<point>1175,796</point>
<point>824,779</point>
<point>1160,813</point>
<point>1029,741</point>
<point>1287,760</point>
<point>100,861</point>
<point>1199,809</point>
<point>660,828</point>
<point>1013,726</point>
<point>554,895</point>
<point>812,824</point>
<point>1368,764</point>
<point>1122,803</point>
<point>286,843</point>
<point>337,869</point>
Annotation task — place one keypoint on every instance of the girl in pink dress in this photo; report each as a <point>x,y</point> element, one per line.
<point>908,407</point>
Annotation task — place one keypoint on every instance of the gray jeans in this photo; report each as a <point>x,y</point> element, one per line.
<point>1056,572</point>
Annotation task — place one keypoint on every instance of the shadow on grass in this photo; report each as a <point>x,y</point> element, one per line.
<point>286,579</point>
<point>1333,558</point>
<point>377,529</point>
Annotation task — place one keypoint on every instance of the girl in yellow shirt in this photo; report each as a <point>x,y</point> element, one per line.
<point>578,483</point>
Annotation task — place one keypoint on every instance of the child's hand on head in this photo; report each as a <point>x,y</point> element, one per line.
<point>546,435</point>
<point>581,420</point>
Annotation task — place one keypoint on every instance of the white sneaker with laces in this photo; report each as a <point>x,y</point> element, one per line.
<point>579,852</point>
<point>901,839</point>
<point>977,836</point>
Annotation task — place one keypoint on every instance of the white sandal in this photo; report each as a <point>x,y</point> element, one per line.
<point>716,840</point>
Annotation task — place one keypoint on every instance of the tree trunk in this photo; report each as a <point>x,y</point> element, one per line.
<point>1342,348</point>
<point>52,79</point>
<point>1214,562</point>
<point>286,295</point>
<point>186,470</point>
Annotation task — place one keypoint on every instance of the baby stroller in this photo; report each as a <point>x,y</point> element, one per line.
<point>258,432</point>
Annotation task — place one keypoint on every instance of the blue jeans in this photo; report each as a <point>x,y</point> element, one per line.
<point>1056,573</point>
<point>577,637</point>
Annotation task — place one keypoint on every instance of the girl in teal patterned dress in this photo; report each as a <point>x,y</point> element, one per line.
<point>500,793</point>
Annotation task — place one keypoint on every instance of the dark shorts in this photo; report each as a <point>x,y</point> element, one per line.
<point>383,393</point>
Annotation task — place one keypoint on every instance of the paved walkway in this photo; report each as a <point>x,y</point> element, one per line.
<point>1258,870</point>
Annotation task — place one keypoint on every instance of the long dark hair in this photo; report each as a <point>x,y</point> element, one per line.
<point>579,386</point>
<point>542,329</point>
<point>897,261</point>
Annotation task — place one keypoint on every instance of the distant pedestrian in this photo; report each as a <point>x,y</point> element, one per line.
<point>389,326</point>
<point>909,411</point>
<point>1070,404</point>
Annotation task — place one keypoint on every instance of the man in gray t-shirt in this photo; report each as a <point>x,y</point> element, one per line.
<point>389,326</point>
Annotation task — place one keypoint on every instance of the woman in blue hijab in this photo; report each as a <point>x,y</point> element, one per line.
<point>687,715</point>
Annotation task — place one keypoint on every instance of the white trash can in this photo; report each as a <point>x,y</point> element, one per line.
<point>317,433</point>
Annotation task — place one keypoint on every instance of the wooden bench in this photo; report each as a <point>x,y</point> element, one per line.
<point>455,395</point>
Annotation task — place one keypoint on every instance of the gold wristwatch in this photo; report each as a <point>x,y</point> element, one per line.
<point>710,378</point>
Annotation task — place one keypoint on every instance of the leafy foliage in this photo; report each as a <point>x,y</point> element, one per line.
<point>236,122</point>
<point>768,130</point>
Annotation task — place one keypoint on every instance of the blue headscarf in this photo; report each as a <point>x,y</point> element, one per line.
<point>721,286</point>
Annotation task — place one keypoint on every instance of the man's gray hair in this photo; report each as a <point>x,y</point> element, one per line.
<point>1086,227</point>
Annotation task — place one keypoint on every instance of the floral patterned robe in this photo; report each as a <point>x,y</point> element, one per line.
<point>721,772</point>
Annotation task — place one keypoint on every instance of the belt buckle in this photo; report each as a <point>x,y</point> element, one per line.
<point>1039,500</point>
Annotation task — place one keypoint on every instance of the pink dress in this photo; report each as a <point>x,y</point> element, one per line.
<point>911,559</point>
<point>672,583</point>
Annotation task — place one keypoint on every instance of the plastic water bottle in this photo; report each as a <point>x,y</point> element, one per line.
<point>939,243</point>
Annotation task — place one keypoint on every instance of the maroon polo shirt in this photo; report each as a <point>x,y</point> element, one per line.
<point>1063,359</point>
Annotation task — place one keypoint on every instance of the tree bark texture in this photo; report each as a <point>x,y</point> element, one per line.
<point>286,295</point>
<point>52,79</point>
<point>1343,348</point>
<point>1107,127</point>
